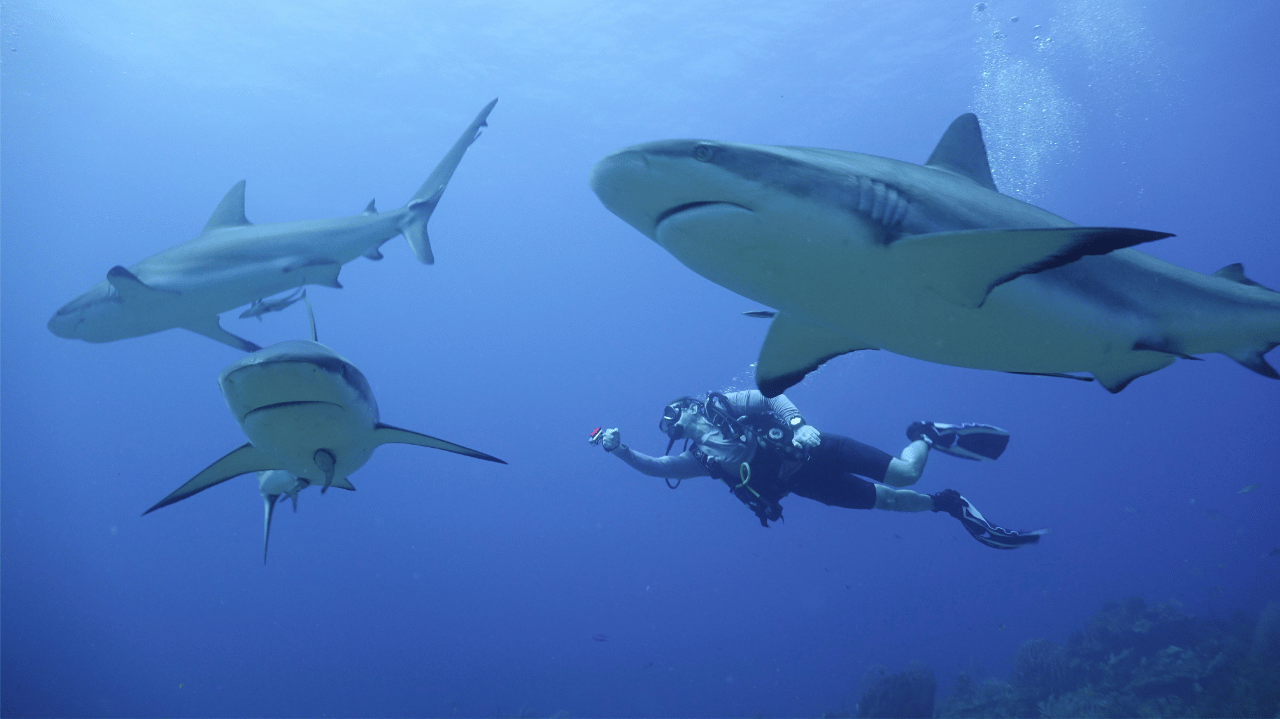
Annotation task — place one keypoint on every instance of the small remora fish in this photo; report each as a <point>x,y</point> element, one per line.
<point>1249,488</point>
<point>261,307</point>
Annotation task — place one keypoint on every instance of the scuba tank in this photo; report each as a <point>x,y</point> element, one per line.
<point>758,483</point>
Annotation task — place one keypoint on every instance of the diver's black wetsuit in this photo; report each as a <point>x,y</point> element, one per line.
<point>827,476</point>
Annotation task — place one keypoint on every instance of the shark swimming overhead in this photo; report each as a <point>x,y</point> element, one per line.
<point>929,261</point>
<point>308,413</point>
<point>233,262</point>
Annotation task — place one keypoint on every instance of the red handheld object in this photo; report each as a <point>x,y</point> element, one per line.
<point>596,435</point>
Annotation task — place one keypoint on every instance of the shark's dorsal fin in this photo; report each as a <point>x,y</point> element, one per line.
<point>794,348</point>
<point>230,212</point>
<point>962,151</point>
<point>131,289</point>
<point>1235,273</point>
<point>370,209</point>
<point>386,434</point>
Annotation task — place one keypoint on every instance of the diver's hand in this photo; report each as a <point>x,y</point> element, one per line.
<point>807,437</point>
<point>611,439</point>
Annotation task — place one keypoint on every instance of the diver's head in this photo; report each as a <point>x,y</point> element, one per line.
<point>678,418</point>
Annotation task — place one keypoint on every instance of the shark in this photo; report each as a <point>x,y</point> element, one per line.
<point>263,306</point>
<point>311,419</point>
<point>233,262</point>
<point>858,252</point>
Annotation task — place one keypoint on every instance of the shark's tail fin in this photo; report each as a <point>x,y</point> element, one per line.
<point>423,203</point>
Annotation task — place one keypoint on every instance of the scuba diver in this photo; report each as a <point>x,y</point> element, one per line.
<point>764,450</point>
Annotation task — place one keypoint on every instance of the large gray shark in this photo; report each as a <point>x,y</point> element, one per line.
<point>862,252</point>
<point>306,411</point>
<point>233,262</point>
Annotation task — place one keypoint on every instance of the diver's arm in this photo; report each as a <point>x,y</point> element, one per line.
<point>681,466</point>
<point>751,401</point>
<point>902,500</point>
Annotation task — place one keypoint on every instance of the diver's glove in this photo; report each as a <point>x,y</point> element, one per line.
<point>981,442</point>
<point>951,502</point>
<point>611,439</point>
<point>807,437</point>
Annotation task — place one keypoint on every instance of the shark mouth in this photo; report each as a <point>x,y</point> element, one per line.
<point>693,206</point>
<point>281,405</point>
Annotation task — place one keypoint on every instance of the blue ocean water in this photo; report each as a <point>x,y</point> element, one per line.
<point>450,587</point>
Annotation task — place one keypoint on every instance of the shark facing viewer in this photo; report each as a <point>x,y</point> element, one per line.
<point>861,252</point>
<point>311,419</point>
<point>233,262</point>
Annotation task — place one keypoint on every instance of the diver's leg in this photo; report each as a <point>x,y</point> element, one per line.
<point>902,500</point>
<point>905,469</point>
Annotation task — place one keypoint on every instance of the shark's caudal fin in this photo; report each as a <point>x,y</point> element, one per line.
<point>794,348</point>
<point>243,460</point>
<point>964,266</point>
<point>423,203</point>
<point>386,434</point>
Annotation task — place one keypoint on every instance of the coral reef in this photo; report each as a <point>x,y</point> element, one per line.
<point>1135,660</point>
<point>907,695</point>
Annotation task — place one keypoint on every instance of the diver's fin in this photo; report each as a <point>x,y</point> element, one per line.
<point>242,460</point>
<point>269,500</point>
<point>980,442</point>
<point>991,535</point>
<point>963,267</point>
<point>209,327</point>
<point>386,434</point>
<point>962,151</point>
<point>794,348</point>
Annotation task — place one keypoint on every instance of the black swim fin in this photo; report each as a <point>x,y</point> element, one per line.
<point>980,442</point>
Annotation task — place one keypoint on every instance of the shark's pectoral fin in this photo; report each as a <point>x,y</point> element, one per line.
<point>229,212</point>
<point>131,289</point>
<point>794,348</point>
<point>386,434</point>
<point>242,460</point>
<point>269,501</point>
<point>209,327</point>
<point>963,267</point>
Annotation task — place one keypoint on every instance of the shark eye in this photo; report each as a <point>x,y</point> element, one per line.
<point>703,153</point>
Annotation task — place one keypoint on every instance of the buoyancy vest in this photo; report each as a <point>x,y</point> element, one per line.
<point>758,483</point>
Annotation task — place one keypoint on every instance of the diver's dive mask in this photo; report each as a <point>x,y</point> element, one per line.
<point>670,422</point>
